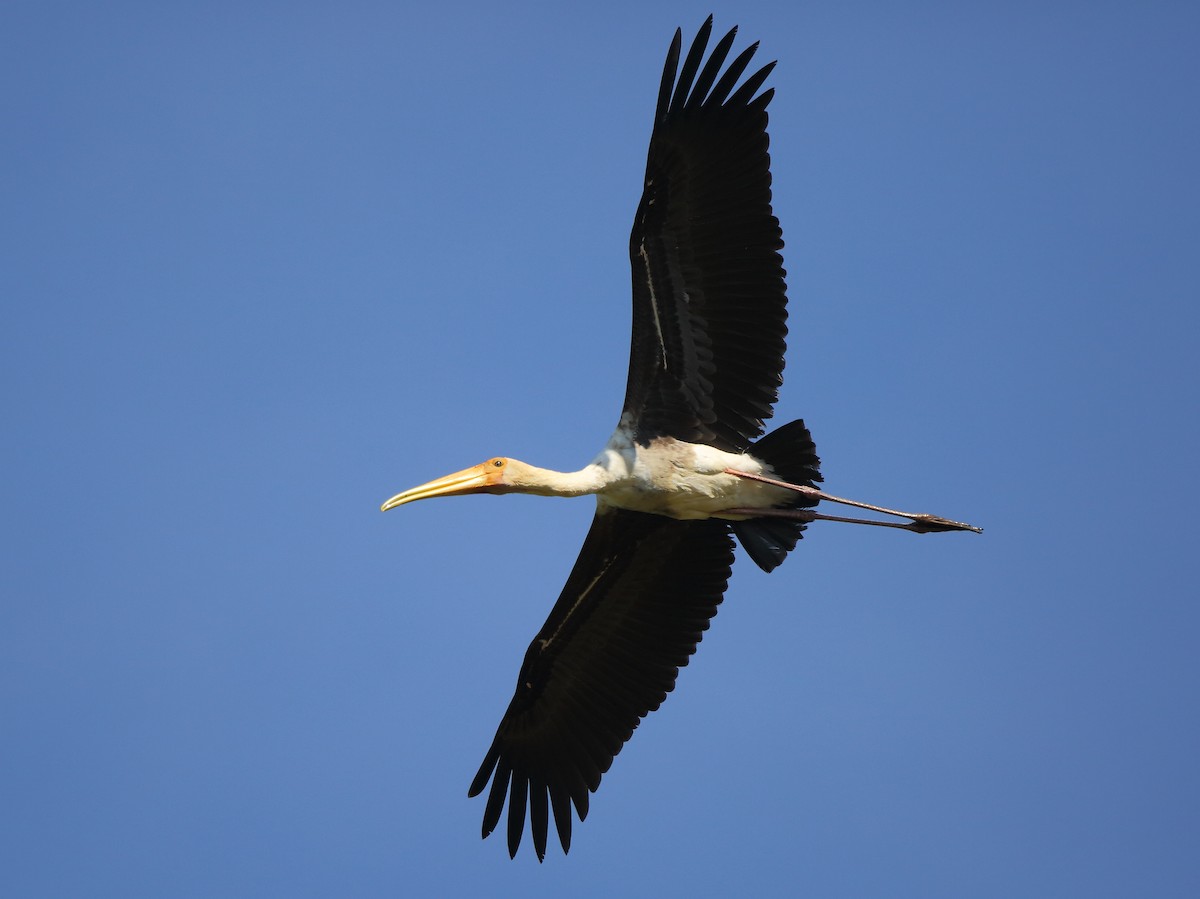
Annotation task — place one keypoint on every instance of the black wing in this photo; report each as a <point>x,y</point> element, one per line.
<point>636,604</point>
<point>709,301</point>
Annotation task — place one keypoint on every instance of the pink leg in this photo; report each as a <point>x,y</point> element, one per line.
<point>920,522</point>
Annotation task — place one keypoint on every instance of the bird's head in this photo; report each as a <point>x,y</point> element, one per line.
<point>498,475</point>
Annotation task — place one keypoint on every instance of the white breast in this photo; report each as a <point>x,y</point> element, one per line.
<point>681,480</point>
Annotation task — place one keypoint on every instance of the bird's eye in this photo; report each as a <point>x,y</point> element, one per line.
<point>497,463</point>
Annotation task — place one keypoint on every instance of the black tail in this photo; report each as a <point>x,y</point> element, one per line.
<point>792,455</point>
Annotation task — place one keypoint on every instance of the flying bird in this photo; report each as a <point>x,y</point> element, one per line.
<point>686,470</point>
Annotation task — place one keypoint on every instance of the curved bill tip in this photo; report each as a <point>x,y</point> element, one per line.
<point>397,500</point>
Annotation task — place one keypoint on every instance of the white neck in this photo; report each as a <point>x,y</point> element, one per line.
<point>525,478</point>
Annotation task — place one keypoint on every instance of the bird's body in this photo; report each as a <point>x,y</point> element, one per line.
<point>682,480</point>
<point>687,468</point>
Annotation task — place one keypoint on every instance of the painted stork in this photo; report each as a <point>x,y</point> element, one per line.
<point>686,468</point>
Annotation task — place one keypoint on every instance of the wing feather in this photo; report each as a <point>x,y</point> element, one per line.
<point>709,299</point>
<point>634,608</point>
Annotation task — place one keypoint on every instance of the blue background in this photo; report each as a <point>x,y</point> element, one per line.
<point>264,265</point>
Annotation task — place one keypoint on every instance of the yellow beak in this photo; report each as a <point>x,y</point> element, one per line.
<point>477,479</point>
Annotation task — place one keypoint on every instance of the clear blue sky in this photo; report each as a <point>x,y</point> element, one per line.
<point>264,265</point>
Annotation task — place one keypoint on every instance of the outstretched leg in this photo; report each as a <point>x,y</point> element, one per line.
<point>919,522</point>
